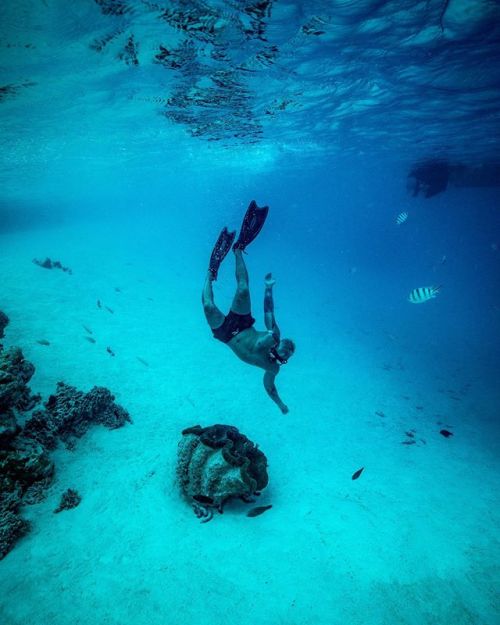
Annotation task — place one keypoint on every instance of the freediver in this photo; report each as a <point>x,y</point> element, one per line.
<point>266,350</point>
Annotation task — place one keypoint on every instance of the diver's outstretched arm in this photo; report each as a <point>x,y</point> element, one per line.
<point>272,392</point>
<point>269,319</point>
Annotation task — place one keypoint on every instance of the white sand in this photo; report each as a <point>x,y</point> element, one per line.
<point>413,541</point>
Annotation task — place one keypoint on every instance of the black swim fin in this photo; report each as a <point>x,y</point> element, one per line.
<point>220,250</point>
<point>253,221</point>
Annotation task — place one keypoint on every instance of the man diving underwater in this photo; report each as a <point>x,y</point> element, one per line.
<point>266,350</point>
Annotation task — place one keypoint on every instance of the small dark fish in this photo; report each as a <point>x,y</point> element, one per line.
<point>410,434</point>
<point>99,305</point>
<point>203,499</point>
<point>258,510</point>
<point>142,361</point>
<point>419,407</point>
<point>110,351</point>
<point>357,474</point>
<point>117,289</point>
<point>87,329</point>
<point>89,339</point>
<point>379,413</point>
<point>43,342</point>
<point>150,299</point>
<point>445,433</point>
<point>109,310</point>
<point>410,442</point>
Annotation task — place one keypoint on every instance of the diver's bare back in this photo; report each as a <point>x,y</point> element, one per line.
<point>246,346</point>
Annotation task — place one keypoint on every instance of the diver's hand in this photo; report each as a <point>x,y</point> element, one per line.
<point>269,280</point>
<point>284,409</point>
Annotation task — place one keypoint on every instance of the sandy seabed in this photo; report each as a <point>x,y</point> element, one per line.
<point>413,541</point>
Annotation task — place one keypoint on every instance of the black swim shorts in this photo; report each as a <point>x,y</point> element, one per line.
<point>232,325</point>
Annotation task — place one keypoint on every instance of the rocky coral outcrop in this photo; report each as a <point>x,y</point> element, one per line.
<point>26,468</point>
<point>69,413</point>
<point>4,320</point>
<point>15,373</point>
<point>23,462</point>
<point>69,499</point>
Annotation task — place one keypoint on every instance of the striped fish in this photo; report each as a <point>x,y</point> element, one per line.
<point>423,294</point>
<point>401,218</point>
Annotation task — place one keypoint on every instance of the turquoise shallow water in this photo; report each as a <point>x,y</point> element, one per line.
<point>126,171</point>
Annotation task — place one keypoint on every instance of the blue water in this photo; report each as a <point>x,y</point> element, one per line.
<point>124,163</point>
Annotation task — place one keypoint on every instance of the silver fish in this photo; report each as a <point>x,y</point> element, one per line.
<point>423,294</point>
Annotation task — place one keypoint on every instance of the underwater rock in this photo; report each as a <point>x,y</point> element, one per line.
<point>12,528</point>
<point>69,499</point>
<point>51,264</point>
<point>4,321</point>
<point>15,373</point>
<point>25,472</point>
<point>218,463</point>
<point>26,468</point>
<point>8,428</point>
<point>24,464</point>
<point>69,413</point>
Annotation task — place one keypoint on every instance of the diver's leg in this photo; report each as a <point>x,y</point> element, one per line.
<point>214,316</point>
<point>241,302</point>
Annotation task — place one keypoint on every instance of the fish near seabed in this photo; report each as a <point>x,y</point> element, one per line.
<point>401,218</point>
<point>357,473</point>
<point>258,510</point>
<point>423,294</point>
